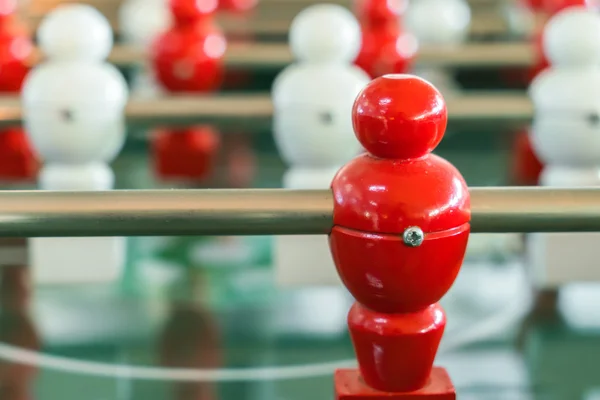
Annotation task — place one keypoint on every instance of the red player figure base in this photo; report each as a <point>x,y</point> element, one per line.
<point>188,154</point>
<point>349,385</point>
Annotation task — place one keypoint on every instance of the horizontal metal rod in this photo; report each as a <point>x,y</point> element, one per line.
<point>276,55</point>
<point>188,109</point>
<point>266,212</point>
<point>278,25</point>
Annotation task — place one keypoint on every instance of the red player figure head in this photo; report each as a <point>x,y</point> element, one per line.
<point>377,11</point>
<point>401,225</point>
<point>192,11</point>
<point>16,49</point>
<point>189,56</point>
<point>387,47</point>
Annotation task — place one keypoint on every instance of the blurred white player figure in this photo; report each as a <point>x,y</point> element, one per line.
<point>520,18</point>
<point>441,23</point>
<point>73,107</point>
<point>566,136</point>
<point>141,21</point>
<point>313,101</point>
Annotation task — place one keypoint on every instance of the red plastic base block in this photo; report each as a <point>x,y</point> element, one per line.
<point>350,386</point>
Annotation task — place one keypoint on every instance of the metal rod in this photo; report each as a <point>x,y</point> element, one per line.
<point>276,25</point>
<point>535,210</point>
<point>164,213</point>
<point>266,212</point>
<point>187,109</point>
<point>275,55</point>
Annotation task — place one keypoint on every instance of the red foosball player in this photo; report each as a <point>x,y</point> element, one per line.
<point>401,226</point>
<point>386,46</point>
<point>16,329</point>
<point>188,58</point>
<point>16,49</point>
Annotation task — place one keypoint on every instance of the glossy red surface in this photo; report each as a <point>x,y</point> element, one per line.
<point>381,196</point>
<point>191,11</point>
<point>386,49</point>
<point>379,11</point>
<point>16,49</point>
<point>349,385</point>
<point>386,275</point>
<point>18,161</point>
<point>395,325</point>
<point>399,117</point>
<point>396,351</point>
<point>187,154</point>
<point>190,58</point>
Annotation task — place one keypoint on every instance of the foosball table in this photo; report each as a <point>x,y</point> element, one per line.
<point>195,208</point>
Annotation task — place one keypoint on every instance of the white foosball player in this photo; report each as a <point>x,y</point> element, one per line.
<point>73,107</point>
<point>520,18</point>
<point>443,23</point>
<point>140,22</point>
<point>313,101</point>
<point>566,137</point>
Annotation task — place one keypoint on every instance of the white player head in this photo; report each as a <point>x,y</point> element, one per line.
<point>142,20</point>
<point>439,21</point>
<point>572,37</point>
<point>313,114</point>
<point>325,33</point>
<point>566,97</point>
<point>520,18</point>
<point>75,31</point>
<point>73,106</point>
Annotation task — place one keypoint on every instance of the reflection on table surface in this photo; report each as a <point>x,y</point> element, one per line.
<point>211,305</point>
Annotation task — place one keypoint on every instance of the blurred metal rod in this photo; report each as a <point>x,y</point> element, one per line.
<point>535,209</point>
<point>228,108</point>
<point>266,212</point>
<point>164,213</point>
<point>277,56</point>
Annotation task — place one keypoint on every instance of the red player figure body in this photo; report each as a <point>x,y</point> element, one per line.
<point>240,156</point>
<point>386,46</point>
<point>401,226</point>
<point>16,49</point>
<point>188,58</point>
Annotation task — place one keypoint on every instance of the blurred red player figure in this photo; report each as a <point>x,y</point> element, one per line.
<point>188,58</point>
<point>16,329</point>
<point>386,46</point>
<point>240,156</point>
<point>191,339</point>
<point>527,167</point>
<point>401,226</point>
<point>16,49</point>
<point>238,6</point>
<point>238,12</point>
